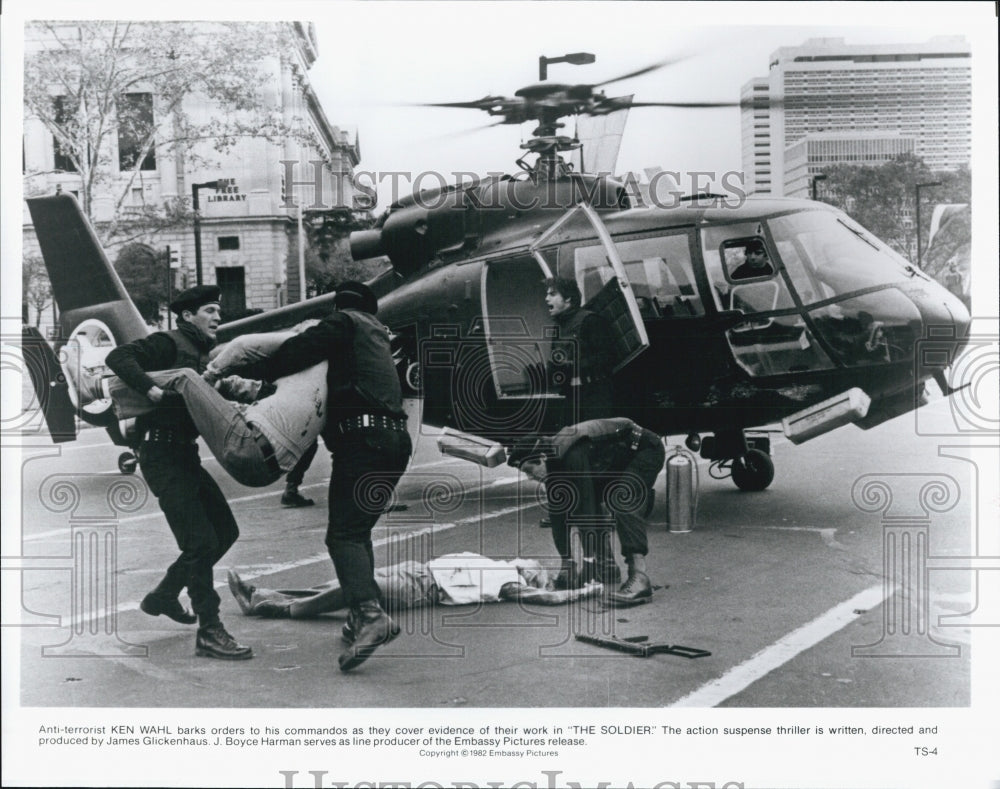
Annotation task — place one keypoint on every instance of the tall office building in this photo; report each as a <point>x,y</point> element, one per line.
<point>755,131</point>
<point>920,92</point>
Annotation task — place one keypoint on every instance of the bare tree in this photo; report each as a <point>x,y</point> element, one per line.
<point>140,89</point>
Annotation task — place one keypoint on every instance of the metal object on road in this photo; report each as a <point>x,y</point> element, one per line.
<point>462,445</point>
<point>828,415</point>
<point>640,646</point>
<point>682,491</point>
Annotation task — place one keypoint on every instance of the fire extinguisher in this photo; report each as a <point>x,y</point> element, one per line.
<point>682,491</point>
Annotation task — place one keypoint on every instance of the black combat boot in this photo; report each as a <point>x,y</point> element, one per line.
<point>637,587</point>
<point>156,604</point>
<point>376,629</point>
<point>215,642</point>
<point>292,498</point>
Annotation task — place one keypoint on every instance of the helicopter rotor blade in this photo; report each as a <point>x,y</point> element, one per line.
<point>687,104</point>
<point>485,103</point>
<point>462,132</point>
<point>643,70</point>
<point>478,104</point>
<point>707,105</point>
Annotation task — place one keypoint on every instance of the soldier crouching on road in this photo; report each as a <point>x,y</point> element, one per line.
<point>611,460</point>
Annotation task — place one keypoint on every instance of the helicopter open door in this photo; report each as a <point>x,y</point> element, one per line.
<point>606,289</point>
<point>517,325</point>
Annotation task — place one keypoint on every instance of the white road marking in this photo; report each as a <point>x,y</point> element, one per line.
<point>767,660</point>
<point>63,532</point>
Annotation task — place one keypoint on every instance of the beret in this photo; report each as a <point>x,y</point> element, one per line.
<point>195,298</point>
<point>355,294</point>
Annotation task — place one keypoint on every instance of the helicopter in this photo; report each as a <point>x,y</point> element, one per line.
<point>836,329</point>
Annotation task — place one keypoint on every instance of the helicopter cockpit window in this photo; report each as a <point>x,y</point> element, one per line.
<point>828,255</point>
<point>746,258</point>
<point>658,269</point>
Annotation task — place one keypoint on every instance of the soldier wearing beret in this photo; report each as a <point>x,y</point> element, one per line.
<point>366,433</point>
<point>195,508</point>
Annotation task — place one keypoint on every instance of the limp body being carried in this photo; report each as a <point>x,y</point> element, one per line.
<point>255,439</point>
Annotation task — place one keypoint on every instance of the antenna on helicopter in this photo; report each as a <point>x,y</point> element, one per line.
<point>576,58</point>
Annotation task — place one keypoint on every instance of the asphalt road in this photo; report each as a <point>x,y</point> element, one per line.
<point>788,589</point>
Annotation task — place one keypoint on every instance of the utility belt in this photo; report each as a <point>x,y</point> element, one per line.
<point>267,451</point>
<point>367,421</point>
<point>625,439</point>
<point>162,435</point>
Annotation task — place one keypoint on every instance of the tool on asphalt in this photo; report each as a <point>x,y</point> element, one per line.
<point>640,646</point>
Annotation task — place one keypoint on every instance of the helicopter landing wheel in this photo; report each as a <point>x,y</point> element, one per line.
<point>412,376</point>
<point>127,463</point>
<point>753,471</point>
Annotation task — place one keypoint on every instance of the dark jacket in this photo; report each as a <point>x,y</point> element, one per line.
<point>184,347</point>
<point>361,377</point>
<point>581,365</point>
<point>611,442</point>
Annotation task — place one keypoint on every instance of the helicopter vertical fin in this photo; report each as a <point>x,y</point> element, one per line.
<point>96,314</point>
<point>50,385</point>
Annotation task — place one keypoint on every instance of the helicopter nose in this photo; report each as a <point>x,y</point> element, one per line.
<point>946,322</point>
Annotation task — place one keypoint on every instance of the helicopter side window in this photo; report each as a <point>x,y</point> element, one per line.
<point>658,269</point>
<point>650,280</point>
<point>593,281</point>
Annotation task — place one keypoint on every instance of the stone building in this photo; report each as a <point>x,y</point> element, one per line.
<point>248,227</point>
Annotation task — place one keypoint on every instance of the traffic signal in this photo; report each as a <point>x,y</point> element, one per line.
<point>174,256</point>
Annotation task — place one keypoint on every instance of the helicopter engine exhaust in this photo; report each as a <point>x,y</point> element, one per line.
<point>415,230</point>
<point>367,244</point>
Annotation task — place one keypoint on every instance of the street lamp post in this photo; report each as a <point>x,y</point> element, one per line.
<point>197,225</point>
<point>170,286</point>
<point>576,58</point>
<point>817,177</point>
<point>302,257</point>
<point>918,188</point>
